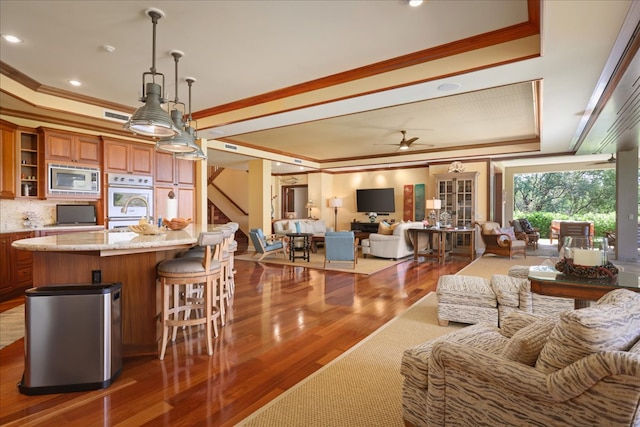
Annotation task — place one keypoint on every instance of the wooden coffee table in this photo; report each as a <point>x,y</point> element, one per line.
<point>546,281</point>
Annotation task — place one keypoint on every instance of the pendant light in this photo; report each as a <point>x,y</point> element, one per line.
<point>151,119</point>
<point>183,141</point>
<point>198,154</point>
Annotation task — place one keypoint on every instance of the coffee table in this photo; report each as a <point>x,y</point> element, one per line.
<point>546,281</point>
<point>306,245</point>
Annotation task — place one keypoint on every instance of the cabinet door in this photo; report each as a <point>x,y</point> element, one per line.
<point>161,195</point>
<point>185,171</point>
<point>87,149</point>
<point>186,202</point>
<point>58,147</point>
<point>5,263</point>
<point>142,159</point>
<point>164,168</point>
<point>116,156</point>
<point>8,162</point>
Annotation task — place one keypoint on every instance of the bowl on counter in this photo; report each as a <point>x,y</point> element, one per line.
<point>176,223</point>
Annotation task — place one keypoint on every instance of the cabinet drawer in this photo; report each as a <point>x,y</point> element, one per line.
<point>23,277</point>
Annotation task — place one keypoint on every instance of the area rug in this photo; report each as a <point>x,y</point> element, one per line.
<point>363,386</point>
<point>11,325</point>
<point>364,266</point>
<point>487,266</point>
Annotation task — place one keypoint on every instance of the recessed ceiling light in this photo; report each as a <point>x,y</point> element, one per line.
<point>449,86</point>
<point>11,38</point>
<point>108,48</point>
<point>415,3</point>
<point>75,83</point>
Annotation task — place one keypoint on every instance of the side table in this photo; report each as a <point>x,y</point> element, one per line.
<point>305,238</point>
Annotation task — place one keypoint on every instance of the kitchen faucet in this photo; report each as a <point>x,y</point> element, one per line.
<point>146,205</point>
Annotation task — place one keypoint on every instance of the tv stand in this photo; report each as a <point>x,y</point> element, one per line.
<point>367,227</point>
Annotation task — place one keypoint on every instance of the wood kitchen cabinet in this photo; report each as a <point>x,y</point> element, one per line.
<point>73,148</point>
<point>128,157</point>
<point>178,176</point>
<point>16,273</point>
<point>8,160</point>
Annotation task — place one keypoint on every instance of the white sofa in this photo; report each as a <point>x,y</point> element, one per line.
<point>396,245</point>
<point>315,226</point>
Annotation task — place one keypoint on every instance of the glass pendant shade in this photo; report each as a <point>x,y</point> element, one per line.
<point>180,143</point>
<point>151,119</point>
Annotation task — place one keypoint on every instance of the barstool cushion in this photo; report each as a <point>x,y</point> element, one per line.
<point>186,265</point>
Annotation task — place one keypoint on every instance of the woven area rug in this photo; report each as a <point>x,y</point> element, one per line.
<point>363,386</point>
<point>11,325</point>
<point>364,266</point>
<point>489,265</point>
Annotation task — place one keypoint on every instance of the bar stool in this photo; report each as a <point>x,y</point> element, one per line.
<point>176,277</point>
<point>232,247</point>
<point>223,254</point>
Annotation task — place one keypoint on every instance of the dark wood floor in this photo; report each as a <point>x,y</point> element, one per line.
<point>285,323</point>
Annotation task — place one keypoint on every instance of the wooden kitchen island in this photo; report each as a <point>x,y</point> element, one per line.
<point>124,257</point>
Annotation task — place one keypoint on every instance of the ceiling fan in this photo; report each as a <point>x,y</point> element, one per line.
<point>610,161</point>
<point>405,143</point>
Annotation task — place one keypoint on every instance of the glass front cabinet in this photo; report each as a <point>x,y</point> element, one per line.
<point>457,191</point>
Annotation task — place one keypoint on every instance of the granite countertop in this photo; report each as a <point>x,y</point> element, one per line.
<point>54,227</point>
<point>109,240</point>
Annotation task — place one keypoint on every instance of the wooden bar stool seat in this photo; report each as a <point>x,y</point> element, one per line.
<point>181,307</point>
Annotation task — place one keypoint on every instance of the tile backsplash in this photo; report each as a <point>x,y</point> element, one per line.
<point>42,212</point>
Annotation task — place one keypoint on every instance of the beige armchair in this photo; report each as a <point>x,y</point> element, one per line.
<point>579,369</point>
<point>499,243</point>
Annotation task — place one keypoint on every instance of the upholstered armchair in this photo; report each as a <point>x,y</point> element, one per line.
<point>525,231</point>
<point>498,241</point>
<point>581,368</point>
<point>264,246</point>
<point>340,246</point>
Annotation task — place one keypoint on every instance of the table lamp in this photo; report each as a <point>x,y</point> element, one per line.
<point>310,204</point>
<point>434,205</point>
<point>335,203</point>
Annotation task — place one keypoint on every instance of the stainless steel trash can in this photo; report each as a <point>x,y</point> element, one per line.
<point>73,338</point>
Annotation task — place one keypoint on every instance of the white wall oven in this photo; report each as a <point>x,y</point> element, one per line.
<point>121,188</point>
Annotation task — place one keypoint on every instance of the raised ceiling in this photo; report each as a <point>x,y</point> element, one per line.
<point>329,84</point>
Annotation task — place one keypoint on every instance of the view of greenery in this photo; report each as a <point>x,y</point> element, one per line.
<point>578,195</point>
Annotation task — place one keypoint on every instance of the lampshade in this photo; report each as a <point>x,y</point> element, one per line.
<point>335,202</point>
<point>193,155</point>
<point>151,119</point>
<point>183,141</point>
<point>180,143</point>
<point>434,204</point>
<point>310,204</point>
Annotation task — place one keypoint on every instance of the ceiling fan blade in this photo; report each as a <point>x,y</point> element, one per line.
<point>411,140</point>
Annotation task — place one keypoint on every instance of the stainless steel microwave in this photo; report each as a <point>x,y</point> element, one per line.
<point>65,179</point>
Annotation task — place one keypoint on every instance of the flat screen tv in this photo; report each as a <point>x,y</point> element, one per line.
<point>379,200</point>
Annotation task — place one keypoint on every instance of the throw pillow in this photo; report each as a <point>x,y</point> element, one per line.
<point>607,327</point>
<point>386,228</point>
<point>525,345</point>
<point>515,320</point>
<point>517,227</point>
<point>526,225</point>
<point>506,230</point>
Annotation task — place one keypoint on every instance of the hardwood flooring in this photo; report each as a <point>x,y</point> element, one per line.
<point>284,324</point>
